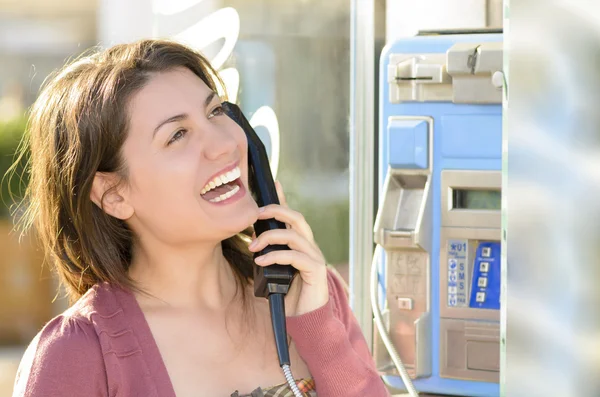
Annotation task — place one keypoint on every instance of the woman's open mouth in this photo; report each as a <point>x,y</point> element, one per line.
<point>223,188</point>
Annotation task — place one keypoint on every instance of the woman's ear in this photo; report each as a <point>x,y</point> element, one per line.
<point>108,195</point>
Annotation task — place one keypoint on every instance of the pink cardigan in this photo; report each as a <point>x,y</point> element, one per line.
<point>102,346</point>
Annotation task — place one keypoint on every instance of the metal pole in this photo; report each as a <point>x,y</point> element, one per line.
<point>504,209</point>
<point>362,183</point>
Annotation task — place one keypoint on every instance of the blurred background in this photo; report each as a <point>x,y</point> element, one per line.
<point>289,64</point>
<point>36,37</point>
<point>286,62</point>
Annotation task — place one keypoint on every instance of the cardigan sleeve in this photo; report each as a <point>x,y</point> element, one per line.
<point>64,359</point>
<point>332,345</point>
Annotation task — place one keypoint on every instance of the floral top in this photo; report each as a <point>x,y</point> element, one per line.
<point>306,386</point>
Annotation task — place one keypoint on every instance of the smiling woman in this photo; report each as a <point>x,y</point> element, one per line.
<point>139,192</point>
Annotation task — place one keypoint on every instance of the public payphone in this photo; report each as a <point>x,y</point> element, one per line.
<point>438,222</point>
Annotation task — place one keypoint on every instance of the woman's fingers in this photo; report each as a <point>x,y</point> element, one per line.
<point>280,194</point>
<point>311,271</point>
<point>288,237</point>
<point>286,215</point>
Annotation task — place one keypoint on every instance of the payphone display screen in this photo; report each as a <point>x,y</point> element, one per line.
<point>471,199</point>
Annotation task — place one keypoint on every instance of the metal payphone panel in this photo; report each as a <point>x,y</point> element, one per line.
<point>439,217</point>
<point>403,228</point>
<point>470,275</point>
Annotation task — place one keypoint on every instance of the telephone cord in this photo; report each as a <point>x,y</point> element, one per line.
<point>287,372</point>
<point>381,328</point>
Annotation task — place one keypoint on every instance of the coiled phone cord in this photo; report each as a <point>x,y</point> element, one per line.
<point>287,372</point>
<point>381,327</point>
<point>277,308</point>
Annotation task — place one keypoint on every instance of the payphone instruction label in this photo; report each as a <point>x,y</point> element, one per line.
<point>457,270</point>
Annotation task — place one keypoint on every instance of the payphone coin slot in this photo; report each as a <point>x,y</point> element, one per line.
<point>413,78</point>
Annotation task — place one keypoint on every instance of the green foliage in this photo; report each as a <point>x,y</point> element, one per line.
<point>13,184</point>
<point>329,222</point>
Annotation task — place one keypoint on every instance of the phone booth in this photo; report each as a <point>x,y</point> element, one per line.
<point>438,222</point>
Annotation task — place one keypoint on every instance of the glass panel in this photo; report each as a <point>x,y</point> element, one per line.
<point>42,37</point>
<point>287,65</point>
<point>552,320</point>
<point>39,37</point>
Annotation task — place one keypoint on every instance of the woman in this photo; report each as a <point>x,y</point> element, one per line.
<point>139,192</point>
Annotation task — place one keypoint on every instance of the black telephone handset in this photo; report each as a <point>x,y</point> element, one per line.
<point>274,281</point>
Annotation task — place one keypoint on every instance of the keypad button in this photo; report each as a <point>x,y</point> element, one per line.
<point>482,282</point>
<point>480,297</point>
<point>484,267</point>
<point>486,252</point>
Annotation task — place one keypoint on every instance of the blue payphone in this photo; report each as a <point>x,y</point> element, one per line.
<point>438,222</point>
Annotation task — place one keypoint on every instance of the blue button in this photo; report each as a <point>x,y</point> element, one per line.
<point>408,143</point>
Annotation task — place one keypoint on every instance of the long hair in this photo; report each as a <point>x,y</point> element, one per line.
<point>76,128</point>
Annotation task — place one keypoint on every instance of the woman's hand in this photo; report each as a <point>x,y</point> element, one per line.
<point>310,290</point>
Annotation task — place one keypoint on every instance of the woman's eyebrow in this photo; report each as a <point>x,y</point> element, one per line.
<point>177,117</point>
<point>209,98</point>
<point>183,116</point>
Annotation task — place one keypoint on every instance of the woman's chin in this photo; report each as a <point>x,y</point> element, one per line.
<point>250,212</point>
<point>241,223</point>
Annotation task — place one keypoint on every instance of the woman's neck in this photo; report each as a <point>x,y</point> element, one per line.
<point>183,279</point>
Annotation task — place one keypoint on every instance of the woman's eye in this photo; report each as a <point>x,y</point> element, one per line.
<point>177,136</point>
<point>218,111</point>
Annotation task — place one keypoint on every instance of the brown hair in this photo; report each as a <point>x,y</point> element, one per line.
<point>77,127</point>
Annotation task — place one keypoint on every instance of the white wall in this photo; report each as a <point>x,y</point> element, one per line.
<point>405,17</point>
<point>124,21</point>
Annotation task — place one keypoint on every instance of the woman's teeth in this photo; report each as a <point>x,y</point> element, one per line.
<point>222,179</point>
<point>225,196</point>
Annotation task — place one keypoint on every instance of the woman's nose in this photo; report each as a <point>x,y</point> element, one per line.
<point>218,143</point>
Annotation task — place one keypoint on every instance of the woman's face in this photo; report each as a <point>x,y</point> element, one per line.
<point>179,148</point>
